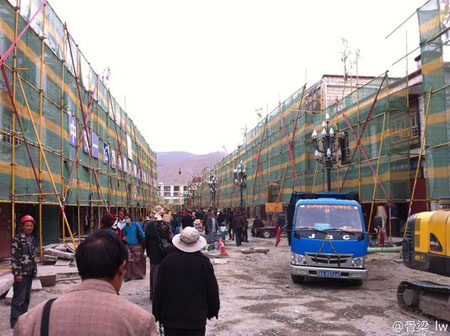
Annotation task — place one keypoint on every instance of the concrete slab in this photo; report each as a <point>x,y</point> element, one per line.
<point>63,262</point>
<point>219,261</point>
<point>58,270</point>
<point>49,258</point>
<point>36,285</point>
<point>47,280</point>
<point>60,254</point>
<point>6,283</point>
<point>9,296</point>
<point>61,248</point>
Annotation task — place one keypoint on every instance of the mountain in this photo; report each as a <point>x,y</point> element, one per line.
<point>169,163</point>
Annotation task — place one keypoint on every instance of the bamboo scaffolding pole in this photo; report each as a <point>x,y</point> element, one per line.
<point>13,152</point>
<point>46,163</point>
<point>358,142</point>
<point>85,116</point>
<point>41,120</point>
<point>359,146</point>
<point>119,145</point>
<point>19,122</point>
<point>35,194</point>
<point>292,144</point>
<point>14,44</point>
<point>419,160</point>
<point>375,184</point>
<point>61,108</point>
<point>258,164</point>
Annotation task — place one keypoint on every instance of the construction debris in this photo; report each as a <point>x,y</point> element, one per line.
<point>9,296</point>
<point>216,261</point>
<point>60,254</point>
<point>47,280</point>
<point>254,250</point>
<point>63,262</point>
<point>36,285</point>
<point>6,282</point>
<point>49,259</point>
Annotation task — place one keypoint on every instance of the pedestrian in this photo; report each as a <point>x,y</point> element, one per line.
<point>257,223</point>
<point>156,235</point>
<point>245,229</point>
<point>238,226</point>
<point>107,221</point>
<point>120,224</point>
<point>175,225</point>
<point>187,293</point>
<point>230,224</point>
<point>186,221</point>
<point>211,222</point>
<point>93,307</point>
<point>135,239</point>
<point>204,219</point>
<point>23,264</point>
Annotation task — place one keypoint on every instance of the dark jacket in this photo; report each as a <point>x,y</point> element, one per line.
<point>257,223</point>
<point>23,257</point>
<point>152,241</point>
<point>186,291</point>
<point>239,222</point>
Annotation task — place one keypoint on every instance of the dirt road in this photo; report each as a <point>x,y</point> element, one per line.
<point>259,298</point>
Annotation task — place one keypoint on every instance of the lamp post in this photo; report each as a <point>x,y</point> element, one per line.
<point>325,147</point>
<point>240,177</point>
<point>212,183</point>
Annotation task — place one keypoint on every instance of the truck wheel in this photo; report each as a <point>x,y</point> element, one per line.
<point>266,234</point>
<point>298,279</point>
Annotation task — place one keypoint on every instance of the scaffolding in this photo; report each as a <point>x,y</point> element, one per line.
<point>383,161</point>
<point>65,142</point>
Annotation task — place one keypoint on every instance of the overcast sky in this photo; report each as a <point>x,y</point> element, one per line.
<point>194,72</point>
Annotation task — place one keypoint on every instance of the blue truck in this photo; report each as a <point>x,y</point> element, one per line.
<point>327,236</point>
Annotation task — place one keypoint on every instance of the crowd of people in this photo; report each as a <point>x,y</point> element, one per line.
<point>183,287</point>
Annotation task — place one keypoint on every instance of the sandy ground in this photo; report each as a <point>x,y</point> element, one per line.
<point>259,298</point>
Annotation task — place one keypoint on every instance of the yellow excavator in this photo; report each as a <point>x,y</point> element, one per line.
<point>426,247</point>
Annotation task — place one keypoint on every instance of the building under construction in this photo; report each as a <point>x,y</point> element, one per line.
<point>393,143</point>
<point>68,149</point>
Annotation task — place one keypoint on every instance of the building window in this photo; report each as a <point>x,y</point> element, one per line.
<point>345,149</point>
<point>167,194</point>
<point>176,188</point>
<point>414,125</point>
<point>166,188</point>
<point>175,194</point>
<point>184,188</point>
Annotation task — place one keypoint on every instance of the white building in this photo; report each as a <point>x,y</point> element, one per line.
<point>171,193</point>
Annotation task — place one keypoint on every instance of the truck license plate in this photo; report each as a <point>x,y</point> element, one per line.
<point>329,274</point>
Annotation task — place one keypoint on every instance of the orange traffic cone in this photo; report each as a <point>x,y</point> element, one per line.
<point>220,244</point>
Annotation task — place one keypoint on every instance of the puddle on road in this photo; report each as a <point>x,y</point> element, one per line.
<point>350,313</point>
<point>263,308</point>
<point>262,297</point>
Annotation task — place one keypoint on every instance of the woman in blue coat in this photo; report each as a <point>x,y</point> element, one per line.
<point>134,237</point>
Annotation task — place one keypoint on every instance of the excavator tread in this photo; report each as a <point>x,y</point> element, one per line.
<point>420,286</point>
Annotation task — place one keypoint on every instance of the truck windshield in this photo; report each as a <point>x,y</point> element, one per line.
<point>329,217</point>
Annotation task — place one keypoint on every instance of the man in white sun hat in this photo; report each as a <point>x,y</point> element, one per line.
<point>186,291</point>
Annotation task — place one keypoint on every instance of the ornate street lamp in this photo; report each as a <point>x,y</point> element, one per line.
<point>325,147</point>
<point>240,177</point>
<point>212,183</point>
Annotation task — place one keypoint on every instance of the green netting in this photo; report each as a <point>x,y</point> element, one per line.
<point>48,79</point>
<point>435,77</point>
<point>277,178</point>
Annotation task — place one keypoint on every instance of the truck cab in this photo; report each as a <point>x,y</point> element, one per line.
<point>328,237</point>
